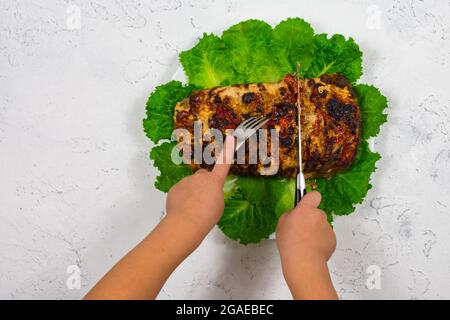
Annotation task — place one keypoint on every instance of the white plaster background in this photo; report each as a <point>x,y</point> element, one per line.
<point>76,185</point>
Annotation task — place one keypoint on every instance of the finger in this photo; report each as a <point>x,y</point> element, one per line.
<point>281,222</point>
<point>225,159</point>
<point>324,215</point>
<point>201,171</point>
<point>311,199</point>
<point>283,218</point>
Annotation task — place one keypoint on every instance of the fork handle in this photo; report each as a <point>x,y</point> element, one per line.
<point>300,188</point>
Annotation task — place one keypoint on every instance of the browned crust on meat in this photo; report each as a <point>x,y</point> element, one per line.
<point>330,120</point>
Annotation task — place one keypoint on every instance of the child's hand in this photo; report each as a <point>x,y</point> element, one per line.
<point>194,206</point>
<point>305,233</point>
<point>306,241</point>
<point>198,199</point>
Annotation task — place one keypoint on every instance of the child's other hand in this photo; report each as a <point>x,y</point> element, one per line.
<point>198,200</point>
<point>306,241</point>
<point>304,233</point>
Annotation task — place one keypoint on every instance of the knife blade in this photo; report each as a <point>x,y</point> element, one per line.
<point>300,184</point>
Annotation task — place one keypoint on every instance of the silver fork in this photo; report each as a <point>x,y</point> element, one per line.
<point>247,128</point>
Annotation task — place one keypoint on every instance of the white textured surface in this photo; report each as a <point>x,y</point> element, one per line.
<point>76,187</point>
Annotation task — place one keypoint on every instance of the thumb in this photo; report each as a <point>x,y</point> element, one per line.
<point>311,199</point>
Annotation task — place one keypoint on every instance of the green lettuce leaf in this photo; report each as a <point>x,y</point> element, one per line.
<point>335,55</point>
<point>160,108</point>
<point>249,49</point>
<point>372,104</point>
<point>207,64</point>
<point>170,173</point>
<point>341,192</point>
<point>250,214</point>
<point>293,43</point>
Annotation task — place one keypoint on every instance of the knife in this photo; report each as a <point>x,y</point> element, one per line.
<point>300,184</point>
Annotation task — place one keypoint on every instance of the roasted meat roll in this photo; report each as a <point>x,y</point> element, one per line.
<point>330,120</point>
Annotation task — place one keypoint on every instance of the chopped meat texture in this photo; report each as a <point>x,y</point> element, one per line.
<point>330,120</point>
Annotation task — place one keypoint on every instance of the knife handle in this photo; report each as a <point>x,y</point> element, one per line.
<point>300,188</point>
